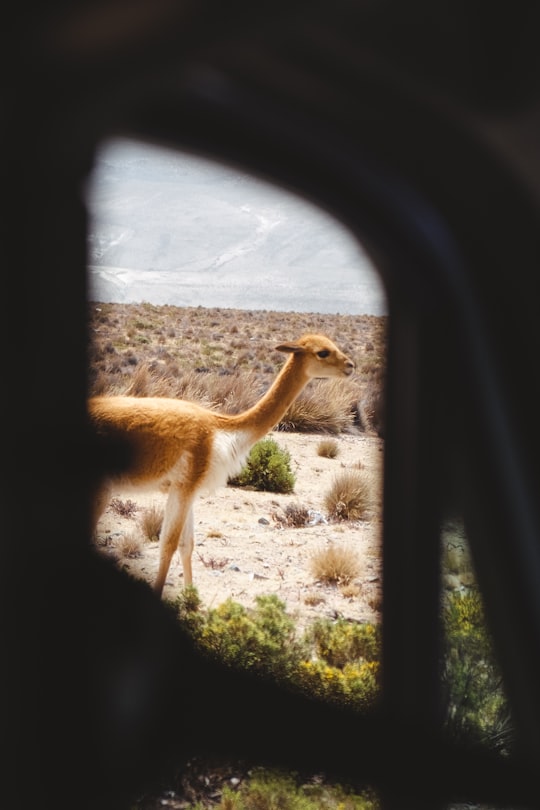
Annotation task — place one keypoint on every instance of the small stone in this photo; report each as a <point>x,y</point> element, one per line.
<point>315,518</point>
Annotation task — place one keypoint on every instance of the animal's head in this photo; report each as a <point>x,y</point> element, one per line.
<point>319,356</point>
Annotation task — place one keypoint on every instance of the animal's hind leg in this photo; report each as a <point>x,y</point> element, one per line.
<point>176,521</point>
<point>186,547</point>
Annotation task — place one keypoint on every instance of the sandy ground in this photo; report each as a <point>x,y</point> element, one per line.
<point>242,551</point>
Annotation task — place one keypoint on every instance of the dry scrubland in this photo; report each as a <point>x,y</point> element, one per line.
<point>250,542</point>
<point>316,548</point>
<point>226,358</point>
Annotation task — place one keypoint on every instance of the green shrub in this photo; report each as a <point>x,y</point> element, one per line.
<point>336,661</point>
<point>339,642</point>
<point>345,663</point>
<point>355,686</point>
<point>475,706</point>
<point>339,661</point>
<point>275,790</point>
<point>268,468</point>
<point>261,640</point>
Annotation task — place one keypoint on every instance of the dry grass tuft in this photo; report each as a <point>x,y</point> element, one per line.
<point>129,546</point>
<point>151,522</point>
<point>328,448</point>
<point>148,381</point>
<point>350,590</point>
<point>314,599</point>
<point>336,565</point>
<point>349,497</point>
<point>237,391</point>
<point>215,534</point>
<point>324,405</point>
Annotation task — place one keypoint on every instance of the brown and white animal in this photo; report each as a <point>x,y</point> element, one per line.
<point>196,449</point>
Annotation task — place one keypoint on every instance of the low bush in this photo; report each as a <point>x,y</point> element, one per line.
<point>268,468</point>
<point>261,640</point>
<point>340,642</point>
<point>475,706</point>
<point>275,790</point>
<point>339,661</point>
<point>335,661</point>
<point>125,509</point>
<point>294,516</point>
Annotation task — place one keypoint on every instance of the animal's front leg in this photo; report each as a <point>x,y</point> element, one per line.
<point>177,523</point>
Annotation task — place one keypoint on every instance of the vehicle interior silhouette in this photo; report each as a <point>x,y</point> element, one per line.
<point>417,125</point>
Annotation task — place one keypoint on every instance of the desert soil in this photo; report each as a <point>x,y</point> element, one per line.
<point>242,550</point>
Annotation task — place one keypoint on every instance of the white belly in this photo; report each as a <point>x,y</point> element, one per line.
<point>229,453</point>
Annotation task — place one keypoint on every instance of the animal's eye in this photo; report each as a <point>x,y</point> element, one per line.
<point>323,353</point>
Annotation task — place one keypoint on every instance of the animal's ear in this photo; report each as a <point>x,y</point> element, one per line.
<point>289,347</point>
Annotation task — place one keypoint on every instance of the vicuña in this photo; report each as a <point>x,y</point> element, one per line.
<point>195,449</point>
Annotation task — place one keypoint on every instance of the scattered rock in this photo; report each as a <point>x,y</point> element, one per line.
<point>315,518</point>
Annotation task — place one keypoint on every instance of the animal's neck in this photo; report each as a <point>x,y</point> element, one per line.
<point>270,409</point>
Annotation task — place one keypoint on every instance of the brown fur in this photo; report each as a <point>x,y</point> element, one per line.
<point>193,448</point>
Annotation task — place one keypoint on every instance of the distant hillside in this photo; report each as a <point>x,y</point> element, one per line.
<point>170,228</point>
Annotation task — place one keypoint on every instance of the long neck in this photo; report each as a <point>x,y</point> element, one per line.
<point>269,410</point>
